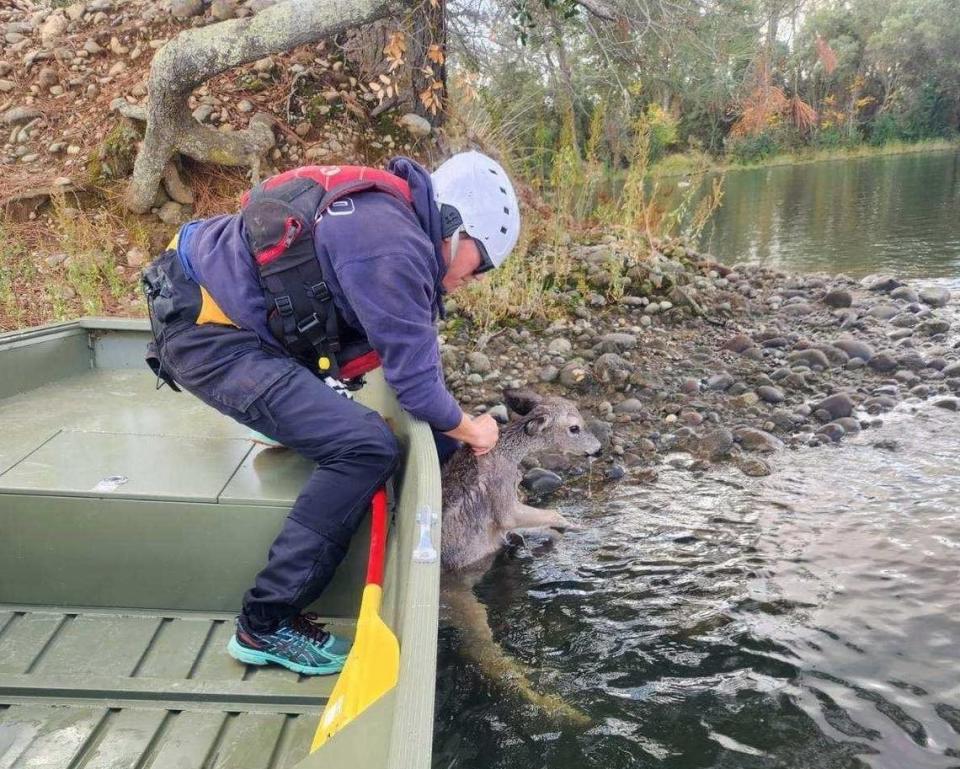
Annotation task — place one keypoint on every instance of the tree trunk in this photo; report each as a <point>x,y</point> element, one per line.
<point>196,55</point>
<point>567,94</point>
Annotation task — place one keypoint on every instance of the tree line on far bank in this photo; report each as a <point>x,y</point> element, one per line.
<point>738,79</point>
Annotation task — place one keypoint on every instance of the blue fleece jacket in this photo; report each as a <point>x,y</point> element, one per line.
<point>382,263</point>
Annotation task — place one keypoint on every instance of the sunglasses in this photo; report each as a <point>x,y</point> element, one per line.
<point>486,263</point>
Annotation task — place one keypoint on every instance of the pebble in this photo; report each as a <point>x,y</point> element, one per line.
<point>851,425</point>
<point>629,406</point>
<point>838,405</point>
<point>855,348</point>
<point>53,28</point>
<point>560,346</point>
<point>815,359</point>
<point>721,381</point>
<point>479,362</point>
<point>882,362</point>
<point>136,257</point>
<point>885,283</point>
<point>832,431</point>
<point>611,369</point>
<point>716,444</point>
<point>905,293</point>
<point>753,439</point>
<point>539,481</point>
<point>904,320</point>
<point>883,311</point>
<point>170,212</point>
<point>19,115</point>
<point>576,375</point>
<point>222,10</point>
<point>935,296</point>
<point>951,370</point>
<point>753,466</point>
<point>796,310</point>
<point>933,327</point>
<point>838,297</point>
<point>770,394</point>
<point>739,344</point>
<point>548,374</point>
<point>416,125</point>
<point>184,9</point>
<point>621,341</point>
<point>615,472</point>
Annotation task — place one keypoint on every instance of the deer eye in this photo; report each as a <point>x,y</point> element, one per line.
<point>574,429</point>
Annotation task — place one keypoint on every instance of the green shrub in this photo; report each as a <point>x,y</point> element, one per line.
<point>883,130</point>
<point>752,149</point>
<point>663,129</point>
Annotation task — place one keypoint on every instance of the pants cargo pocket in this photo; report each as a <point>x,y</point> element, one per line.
<point>224,367</point>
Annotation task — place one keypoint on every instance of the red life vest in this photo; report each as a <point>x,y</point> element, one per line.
<point>279,216</point>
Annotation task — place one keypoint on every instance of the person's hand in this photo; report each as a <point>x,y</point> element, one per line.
<point>486,434</point>
<point>480,433</point>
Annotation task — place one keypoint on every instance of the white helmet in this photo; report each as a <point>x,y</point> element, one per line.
<point>474,193</point>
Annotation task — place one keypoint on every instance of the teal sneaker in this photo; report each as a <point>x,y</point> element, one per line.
<point>263,440</point>
<point>299,644</point>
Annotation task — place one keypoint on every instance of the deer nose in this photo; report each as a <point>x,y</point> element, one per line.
<point>596,453</point>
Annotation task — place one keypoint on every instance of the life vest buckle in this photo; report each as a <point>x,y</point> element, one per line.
<point>308,323</point>
<point>319,291</point>
<point>284,305</point>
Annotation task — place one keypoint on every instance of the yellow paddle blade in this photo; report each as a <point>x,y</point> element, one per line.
<point>371,670</point>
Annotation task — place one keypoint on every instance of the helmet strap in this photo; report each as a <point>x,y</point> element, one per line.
<point>455,243</point>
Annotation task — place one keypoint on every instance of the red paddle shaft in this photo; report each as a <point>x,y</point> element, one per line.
<point>378,538</point>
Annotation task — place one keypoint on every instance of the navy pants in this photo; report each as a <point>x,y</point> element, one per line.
<point>354,450</point>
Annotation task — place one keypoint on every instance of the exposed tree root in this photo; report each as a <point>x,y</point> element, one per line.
<point>196,55</point>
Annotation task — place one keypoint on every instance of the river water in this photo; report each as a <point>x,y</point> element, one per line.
<point>809,619</point>
<point>897,214</point>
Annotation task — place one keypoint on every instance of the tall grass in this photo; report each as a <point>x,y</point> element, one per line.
<point>582,197</point>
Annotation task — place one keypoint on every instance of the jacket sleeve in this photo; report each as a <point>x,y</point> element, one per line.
<point>392,295</point>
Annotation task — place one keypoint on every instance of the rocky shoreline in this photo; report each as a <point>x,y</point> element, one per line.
<point>696,363</point>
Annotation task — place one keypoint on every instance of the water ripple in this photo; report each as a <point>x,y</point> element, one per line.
<point>707,622</point>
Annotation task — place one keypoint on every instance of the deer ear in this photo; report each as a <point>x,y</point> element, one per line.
<point>521,401</point>
<point>536,425</point>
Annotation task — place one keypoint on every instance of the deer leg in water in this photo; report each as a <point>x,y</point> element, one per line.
<point>469,616</point>
<point>526,517</point>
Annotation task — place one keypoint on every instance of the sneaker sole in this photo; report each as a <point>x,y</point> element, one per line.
<point>254,657</point>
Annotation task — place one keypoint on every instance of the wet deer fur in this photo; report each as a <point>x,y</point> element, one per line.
<point>480,502</point>
<point>481,509</point>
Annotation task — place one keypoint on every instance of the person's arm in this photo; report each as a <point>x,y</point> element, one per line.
<point>480,433</point>
<point>392,296</point>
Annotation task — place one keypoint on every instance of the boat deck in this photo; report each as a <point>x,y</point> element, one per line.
<point>132,520</point>
<point>119,688</point>
<point>145,685</point>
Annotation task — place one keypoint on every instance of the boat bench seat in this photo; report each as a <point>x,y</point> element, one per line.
<point>154,499</point>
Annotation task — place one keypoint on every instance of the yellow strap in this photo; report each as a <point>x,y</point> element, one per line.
<point>210,311</point>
